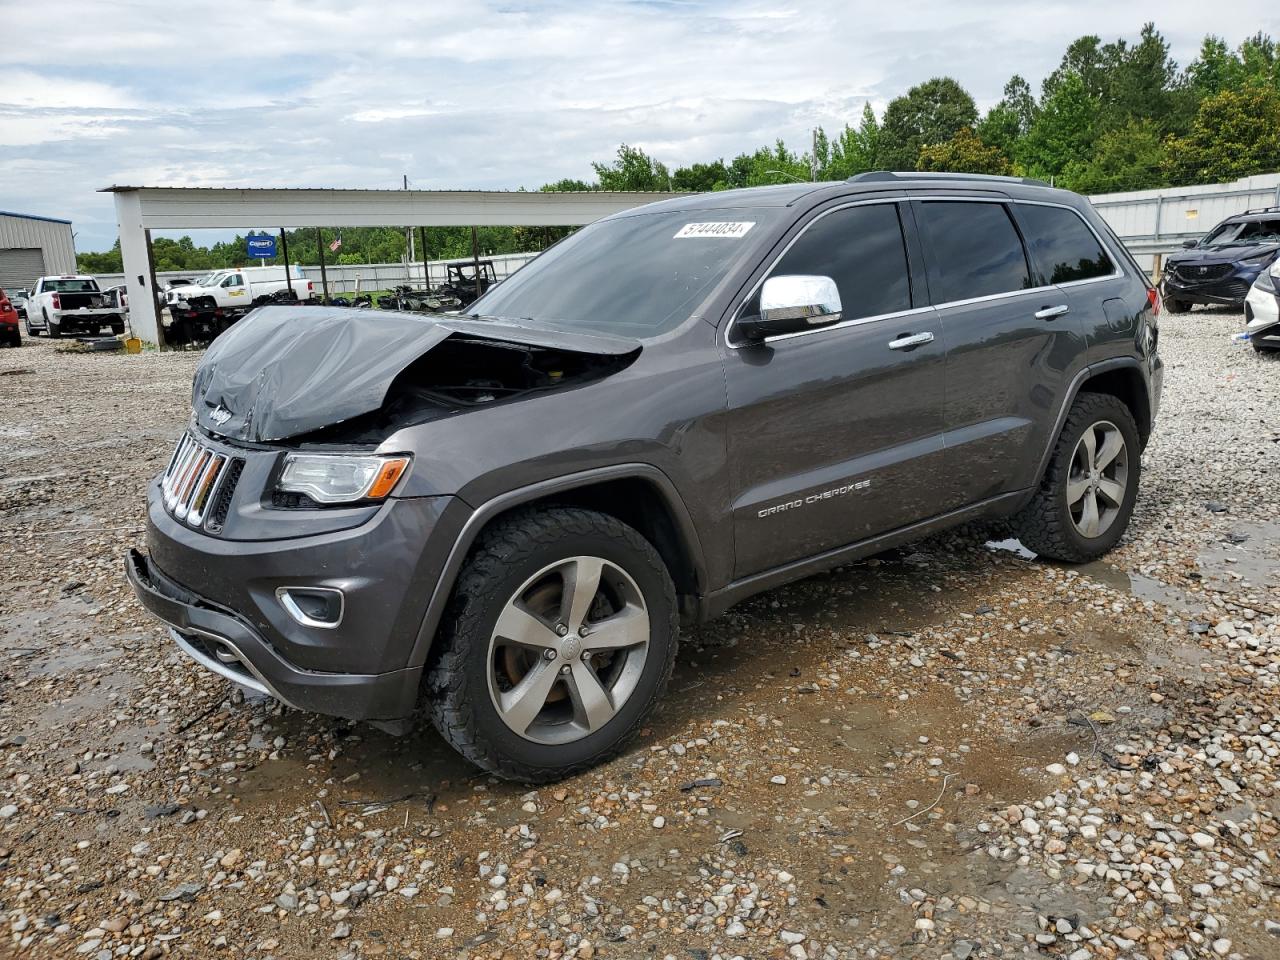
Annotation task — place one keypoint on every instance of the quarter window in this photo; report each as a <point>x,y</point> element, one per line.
<point>976,250</point>
<point>1061,245</point>
<point>862,249</point>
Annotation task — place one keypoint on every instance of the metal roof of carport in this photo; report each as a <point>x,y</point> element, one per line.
<point>191,208</point>
<point>142,209</point>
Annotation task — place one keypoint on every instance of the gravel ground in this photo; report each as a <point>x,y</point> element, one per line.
<point>946,751</point>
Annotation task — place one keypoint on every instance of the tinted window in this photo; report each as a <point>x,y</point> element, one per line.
<point>862,250</point>
<point>976,250</point>
<point>1061,245</point>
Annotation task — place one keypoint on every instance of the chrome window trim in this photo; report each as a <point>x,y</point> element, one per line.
<point>1118,273</point>
<point>755,287</point>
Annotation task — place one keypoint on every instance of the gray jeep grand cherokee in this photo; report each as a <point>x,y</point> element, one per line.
<point>508,514</point>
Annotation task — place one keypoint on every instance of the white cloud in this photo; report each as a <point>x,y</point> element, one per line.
<point>486,93</point>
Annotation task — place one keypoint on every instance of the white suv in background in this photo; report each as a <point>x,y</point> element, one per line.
<point>1262,310</point>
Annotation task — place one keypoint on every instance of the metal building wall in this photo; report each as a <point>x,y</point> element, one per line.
<point>1152,222</point>
<point>52,237</point>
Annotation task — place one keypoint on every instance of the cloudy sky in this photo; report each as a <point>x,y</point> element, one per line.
<point>480,94</point>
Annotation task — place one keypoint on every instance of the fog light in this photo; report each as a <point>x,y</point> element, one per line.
<point>313,606</point>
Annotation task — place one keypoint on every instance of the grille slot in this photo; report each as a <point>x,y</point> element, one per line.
<point>1193,273</point>
<point>199,483</point>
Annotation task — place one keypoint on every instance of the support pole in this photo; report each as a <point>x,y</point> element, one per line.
<point>155,285</point>
<point>144,315</point>
<point>475,258</point>
<point>324,277</point>
<point>284,246</point>
<point>422,248</point>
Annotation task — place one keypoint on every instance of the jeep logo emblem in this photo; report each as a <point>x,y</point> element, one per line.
<point>220,415</point>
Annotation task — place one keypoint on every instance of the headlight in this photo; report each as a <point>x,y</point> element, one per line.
<point>341,478</point>
<point>1259,259</point>
<point>1265,282</point>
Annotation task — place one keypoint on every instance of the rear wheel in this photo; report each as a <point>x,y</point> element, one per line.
<point>1086,498</point>
<point>51,326</point>
<point>559,640</point>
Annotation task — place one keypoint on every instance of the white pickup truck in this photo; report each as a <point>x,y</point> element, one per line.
<point>71,304</point>
<point>239,289</point>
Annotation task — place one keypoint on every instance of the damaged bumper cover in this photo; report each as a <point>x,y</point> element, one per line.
<point>223,602</point>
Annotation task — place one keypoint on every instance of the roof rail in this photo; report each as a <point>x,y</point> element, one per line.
<point>874,176</point>
<point>1259,210</point>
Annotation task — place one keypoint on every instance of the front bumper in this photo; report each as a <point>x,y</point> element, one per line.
<point>223,598</point>
<point>1229,290</point>
<point>223,642</point>
<point>1262,317</point>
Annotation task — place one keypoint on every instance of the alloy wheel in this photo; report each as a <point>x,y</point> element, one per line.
<point>1098,479</point>
<point>568,650</point>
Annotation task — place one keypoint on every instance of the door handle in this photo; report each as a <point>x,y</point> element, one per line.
<point>909,341</point>
<point>1048,313</point>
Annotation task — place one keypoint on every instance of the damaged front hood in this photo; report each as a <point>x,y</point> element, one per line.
<point>285,371</point>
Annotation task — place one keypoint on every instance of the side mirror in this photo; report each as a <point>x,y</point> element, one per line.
<point>1188,244</point>
<point>789,304</point>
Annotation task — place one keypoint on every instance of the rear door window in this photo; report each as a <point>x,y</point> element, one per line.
<point>976,250</point>
<point>862,249</point>
<point>1062,247</point>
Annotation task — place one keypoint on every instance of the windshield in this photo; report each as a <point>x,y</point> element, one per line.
<point>637,276</point>
<point>1247,232</point>
<point>212,280</point>
<point>70,286</point>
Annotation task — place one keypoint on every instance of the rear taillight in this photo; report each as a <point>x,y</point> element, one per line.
<point>57,302</point>
<point>1153,298</point>
<point>310,286</point>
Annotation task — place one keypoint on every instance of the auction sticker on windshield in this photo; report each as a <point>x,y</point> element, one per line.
<point>731,229</point>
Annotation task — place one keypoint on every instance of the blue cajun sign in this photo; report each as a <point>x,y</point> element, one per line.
<point>262,246</point>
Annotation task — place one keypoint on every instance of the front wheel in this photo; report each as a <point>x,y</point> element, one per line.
<point>558,642</point>
<point>1174,305</point>
<point>1086,498</point>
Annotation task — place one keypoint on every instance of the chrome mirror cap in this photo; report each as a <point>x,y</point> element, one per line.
<point>797,300</point>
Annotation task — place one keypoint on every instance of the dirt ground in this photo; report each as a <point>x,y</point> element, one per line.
<point>950,750</point>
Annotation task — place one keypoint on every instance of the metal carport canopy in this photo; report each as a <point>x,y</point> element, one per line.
<point>139,209</point>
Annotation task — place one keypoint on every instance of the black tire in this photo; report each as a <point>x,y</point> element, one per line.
<point>1177,306</point>
<point>1045,525</point>
<point>1260,348</point>
<point>30,332</point>
<point>505,557</point>
<point>54,330</point>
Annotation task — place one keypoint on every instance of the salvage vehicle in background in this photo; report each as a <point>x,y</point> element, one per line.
<point>71,304</point>
<point>1262,311</point>
<point>1220,268</point>
<point>507,514</point>
<point>9,335</point>
<point>202,311</point>
<point>19,300</point>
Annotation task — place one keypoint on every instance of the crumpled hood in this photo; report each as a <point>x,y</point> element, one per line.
<point>1226,254</point>
<point>285,371</point>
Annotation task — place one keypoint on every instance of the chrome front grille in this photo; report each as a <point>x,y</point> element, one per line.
<point>197,478</point>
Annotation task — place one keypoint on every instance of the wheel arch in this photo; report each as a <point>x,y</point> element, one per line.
<point>1120,377</point>
<point>638,494</point>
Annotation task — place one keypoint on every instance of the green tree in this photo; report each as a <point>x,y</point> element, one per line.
<point>1130,158</point>
<point>964,153</point>
<point>568,185</point>
<point>1235,134</point>
<point>701,177</point>
<point>633,170</point>
<point>1219,68</point>
<point>854,150</point>
<point>1011,118</point>
<point>1063,129</point>
<point>929,113</point>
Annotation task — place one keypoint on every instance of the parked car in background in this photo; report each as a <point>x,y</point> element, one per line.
<point>9,335</point>
<point>507,513</point>
<point>1262,310</point>
<point>19,300</point>
<point>1220,268</point>
<point>70,304</point>
<point>240,289</point>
